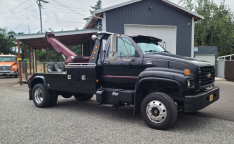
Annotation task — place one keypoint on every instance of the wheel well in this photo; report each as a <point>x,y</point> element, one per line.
<point>36,81</point>
<point>147,87</point>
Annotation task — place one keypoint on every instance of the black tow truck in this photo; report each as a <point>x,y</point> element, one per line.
<point>132,70</point>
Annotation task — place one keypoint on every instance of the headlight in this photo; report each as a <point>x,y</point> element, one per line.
<point>190,83</point>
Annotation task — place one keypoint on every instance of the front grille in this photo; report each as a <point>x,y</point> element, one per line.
<point>5,68</point>
<point>204,73</point>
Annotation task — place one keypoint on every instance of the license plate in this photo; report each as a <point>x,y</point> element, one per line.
<point>211,97</point>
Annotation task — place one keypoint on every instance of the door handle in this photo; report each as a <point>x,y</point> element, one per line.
<point>106,62</point>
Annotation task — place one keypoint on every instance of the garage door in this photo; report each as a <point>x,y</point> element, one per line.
<point>208,58</point>
<point>166,33</point>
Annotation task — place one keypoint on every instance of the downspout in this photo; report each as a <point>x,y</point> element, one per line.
<point>96,16</point>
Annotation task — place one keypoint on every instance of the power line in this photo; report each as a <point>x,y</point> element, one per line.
<point>58,10</point>
<point>69,8</point>
<point>64,8</point>
<point>71,21</point>
<point>29,22</point>
<point>17,16</point>
<point>15,7</point>
<point>19,11</point>
<point>22,22</point>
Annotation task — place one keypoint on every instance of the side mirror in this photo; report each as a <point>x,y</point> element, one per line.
<point>113,47</point>
<point>113,43</point>
<point>164,45</point>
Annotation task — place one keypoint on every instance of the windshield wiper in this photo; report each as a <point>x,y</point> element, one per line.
<point>153,51</point>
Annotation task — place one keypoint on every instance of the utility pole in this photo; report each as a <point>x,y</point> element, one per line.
<point>39,2</point>
<point>28,30</point>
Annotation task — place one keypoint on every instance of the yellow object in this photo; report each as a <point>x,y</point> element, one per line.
<point>96,47</point>
<point>19,59</point>
<point>94,52</point>
<point>211,97</point>
<point>93,57</point>
<point>97,80</point>
<point>187,72</point>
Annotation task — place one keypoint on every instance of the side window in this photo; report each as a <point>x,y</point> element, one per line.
<point>125,51</point>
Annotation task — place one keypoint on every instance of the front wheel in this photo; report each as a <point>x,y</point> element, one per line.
<point>83,97</point>
<point>159,111</point>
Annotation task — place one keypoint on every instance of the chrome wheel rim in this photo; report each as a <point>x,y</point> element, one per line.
<point>49,68</point>
<point>38,96</point>
<point>156,111</point>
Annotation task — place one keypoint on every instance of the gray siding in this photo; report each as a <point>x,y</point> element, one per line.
<point>161,14</point>
<point>206,50</point>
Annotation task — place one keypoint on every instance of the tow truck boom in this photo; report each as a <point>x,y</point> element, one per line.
<point>60,48</point>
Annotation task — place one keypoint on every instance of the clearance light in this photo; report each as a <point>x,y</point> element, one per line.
<point>96,47</point>
<point>187,72</point>
<point>94,52</point>
<point>93,57</point>
<point>97,80</point>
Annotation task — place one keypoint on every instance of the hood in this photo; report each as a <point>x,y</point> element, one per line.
<point>177,58</point>
<point>7,63</point>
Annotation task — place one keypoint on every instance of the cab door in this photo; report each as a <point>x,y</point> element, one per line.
<point>123,72</point>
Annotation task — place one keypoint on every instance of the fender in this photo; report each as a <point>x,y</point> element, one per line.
<point>32,83</point>
<point>171,76</point>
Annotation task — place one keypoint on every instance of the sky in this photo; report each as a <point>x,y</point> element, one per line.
<point>23,15</point>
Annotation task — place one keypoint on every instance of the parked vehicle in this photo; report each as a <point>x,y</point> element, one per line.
<point>8,65</point>
<point>132,70</point>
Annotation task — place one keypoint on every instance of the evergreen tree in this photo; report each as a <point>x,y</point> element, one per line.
<point>94,8</point>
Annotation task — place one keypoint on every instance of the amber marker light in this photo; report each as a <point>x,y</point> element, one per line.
<point>96,47</point>
<point>97,80</point>
<point>94,52</point>
<point>93,57</point>
<point>187,72</point>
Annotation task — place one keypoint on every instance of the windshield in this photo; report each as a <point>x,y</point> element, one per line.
<point>149,45</point>
<point>7,59</point>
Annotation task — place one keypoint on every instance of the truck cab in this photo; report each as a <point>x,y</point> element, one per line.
<point>132,70</point>
<point>8,65</point>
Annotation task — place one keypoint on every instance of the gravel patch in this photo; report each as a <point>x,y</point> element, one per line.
<point>71,121</point>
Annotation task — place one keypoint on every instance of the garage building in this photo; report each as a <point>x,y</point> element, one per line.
<point>158,18</point>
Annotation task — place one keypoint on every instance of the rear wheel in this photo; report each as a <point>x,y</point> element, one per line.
<point>50,67</point>
<point>41,96</point>
<point>83,97</point>
<point>159,111</point>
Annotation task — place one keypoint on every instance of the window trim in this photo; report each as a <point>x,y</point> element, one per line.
<point>107,48</point>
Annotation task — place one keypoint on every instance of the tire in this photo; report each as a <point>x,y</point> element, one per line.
<point>54,98</point>
<point>159,111</point>
<point>83,97</point>
<point>41,96</point>
<point>61,67</point>
<point>50,67</point>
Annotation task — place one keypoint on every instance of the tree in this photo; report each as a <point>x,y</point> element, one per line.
<point>7,41</point>
<point>94,8</point>
<point>217,29</point>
